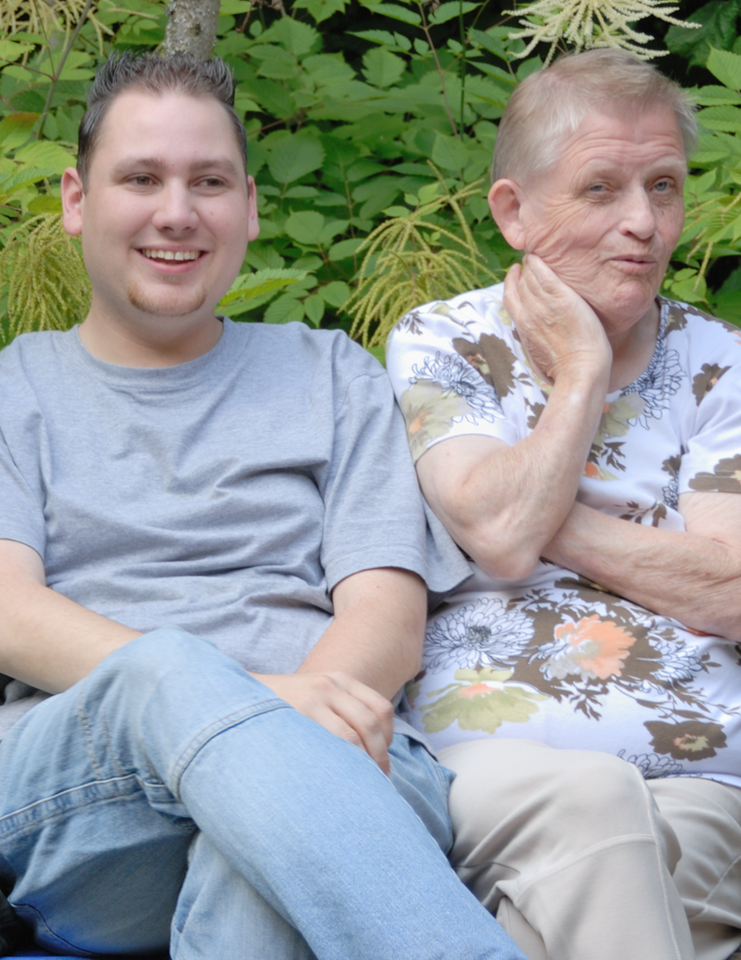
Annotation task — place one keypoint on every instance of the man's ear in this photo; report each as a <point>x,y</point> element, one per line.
<point>72,202</point>
<point>505,203</point>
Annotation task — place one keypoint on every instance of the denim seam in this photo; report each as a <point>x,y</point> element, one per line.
<point>59,804</point>
<point>213,730</point>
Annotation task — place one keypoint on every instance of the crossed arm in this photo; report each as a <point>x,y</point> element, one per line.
<point>509,506</point>
<point>370,649</point>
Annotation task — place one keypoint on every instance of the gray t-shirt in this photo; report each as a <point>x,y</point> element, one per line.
<point>227,495</point>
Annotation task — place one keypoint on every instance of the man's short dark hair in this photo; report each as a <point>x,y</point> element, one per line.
<point>179,73</point>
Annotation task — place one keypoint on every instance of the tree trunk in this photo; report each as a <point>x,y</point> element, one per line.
<point>191,27</point>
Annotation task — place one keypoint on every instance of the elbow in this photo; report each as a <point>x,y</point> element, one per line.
<point>503,556</point>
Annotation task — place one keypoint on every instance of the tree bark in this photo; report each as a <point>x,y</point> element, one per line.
<point>191,27</point>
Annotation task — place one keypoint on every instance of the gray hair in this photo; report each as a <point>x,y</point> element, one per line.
<point>179,73</point>
<point>551,104</point>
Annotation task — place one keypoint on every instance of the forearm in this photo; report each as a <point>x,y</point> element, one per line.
<point>49,641</point>
<point>683,575</point>
<point>511,502</point>
<point>377,633</point>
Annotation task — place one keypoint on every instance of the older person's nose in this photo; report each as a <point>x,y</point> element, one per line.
<point>176,209</point>
<point>638,214</point>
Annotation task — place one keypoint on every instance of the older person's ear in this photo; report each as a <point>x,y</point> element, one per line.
<point>505,203</point>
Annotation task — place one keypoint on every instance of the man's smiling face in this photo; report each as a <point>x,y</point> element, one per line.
<point>608,216</point>
<point>166,212</point>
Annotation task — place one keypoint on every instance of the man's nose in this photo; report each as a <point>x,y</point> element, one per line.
<point>639,215</point>
<point>175,210</point>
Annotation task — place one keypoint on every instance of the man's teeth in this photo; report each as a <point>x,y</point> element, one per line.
<point>172,254</point>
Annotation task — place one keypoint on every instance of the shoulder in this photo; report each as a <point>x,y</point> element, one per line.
<point>687,321</point>
<point>296,342</point>
<point>477,308</point>
<point>32,357</point>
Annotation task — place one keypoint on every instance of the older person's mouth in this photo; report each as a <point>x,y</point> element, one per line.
<point>634,264</point>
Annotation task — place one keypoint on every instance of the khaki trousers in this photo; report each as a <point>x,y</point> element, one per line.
<point>580,858</point>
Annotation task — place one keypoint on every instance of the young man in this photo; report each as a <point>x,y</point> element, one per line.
<point>213,554</point>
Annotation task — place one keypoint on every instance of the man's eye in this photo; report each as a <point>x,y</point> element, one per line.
<point>662,185</point>
<point>213,182</point>
<point>141,180</point>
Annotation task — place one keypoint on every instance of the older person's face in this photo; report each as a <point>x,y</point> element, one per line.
<point>608,216</point>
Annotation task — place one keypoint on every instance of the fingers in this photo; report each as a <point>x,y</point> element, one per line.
<point>558,329</point>
<point>341,704</point>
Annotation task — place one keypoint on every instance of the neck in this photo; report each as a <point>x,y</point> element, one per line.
<point>633,348</point>
<point>157,342</point>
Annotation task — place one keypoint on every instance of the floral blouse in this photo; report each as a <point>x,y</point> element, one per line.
<point>554,657</point>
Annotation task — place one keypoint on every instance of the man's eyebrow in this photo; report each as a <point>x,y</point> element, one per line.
<point>217,164</point>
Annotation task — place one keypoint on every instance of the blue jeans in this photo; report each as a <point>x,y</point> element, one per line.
<point>170,798</point>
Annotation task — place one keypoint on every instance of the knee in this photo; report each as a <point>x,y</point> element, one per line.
<point>150,664</point>
<point>511,781</point>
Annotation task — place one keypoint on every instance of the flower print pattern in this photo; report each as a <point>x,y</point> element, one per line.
<point>670,492</point>
<point>591,649</point>
<point>706,379</point>
<point>687,740</point>
<point>680,664</point>
<point>660,380</point>
<point>725,478</point>
<point>428,412</point>
<point>492,358</point>
<point>458,377</point>
<point>617,418</point>
<point>554,657</point>
<point>480,633</point>
<point>479,700</point>
<point>652,766</point>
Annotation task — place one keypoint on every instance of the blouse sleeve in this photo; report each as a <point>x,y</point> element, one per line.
<point>454,370</point>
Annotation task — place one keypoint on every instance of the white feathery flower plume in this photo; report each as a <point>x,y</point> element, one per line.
<point>592,23</point>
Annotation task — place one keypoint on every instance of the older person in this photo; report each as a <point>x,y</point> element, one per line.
<point>580,437</point>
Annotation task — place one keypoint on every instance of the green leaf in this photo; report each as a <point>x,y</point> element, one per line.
<point>46,153</point>
<point>721,118</point>
<point>450,10</point>
<point>314,308</point>
<point>321,9</point>
<point>397,13</point>
<point>45,203</point>
<point>381,68</point>
<point>298,38</point>
<point>726,67</point>
<point>718,29</point>
<point>277,63</point>
<point>449,153</point>
<point>716,96</point>
<point>294,157</point>
<point>232,7</point>
<point>336,293</point>
<point>284,310</point>
<point>16,129</point>
<point>344,249</point>
<point>327,68</point>
<point>11,50</point>
<point>304,226</point>
<point>257,284</point>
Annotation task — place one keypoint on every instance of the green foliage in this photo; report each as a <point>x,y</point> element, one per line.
<point>346,103</point>
<point>47,287</point>
<point>412,259</point>
<point>713,227</point>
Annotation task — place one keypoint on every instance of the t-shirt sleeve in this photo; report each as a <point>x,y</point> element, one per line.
<point>21,497</point>
<point>451,366</point>
<point>712,460</point>
<point>374,513</point>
